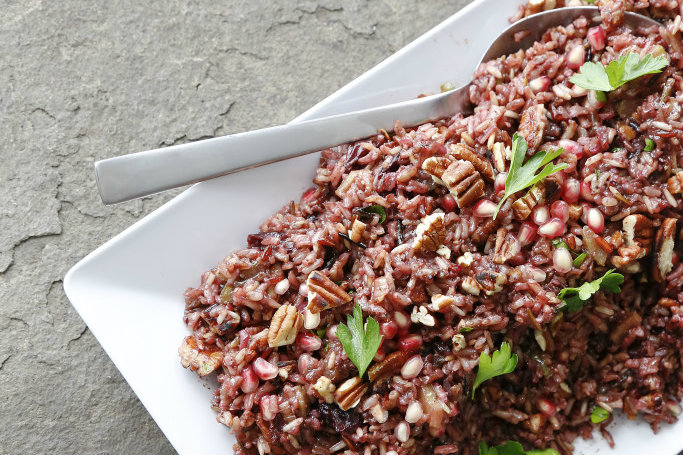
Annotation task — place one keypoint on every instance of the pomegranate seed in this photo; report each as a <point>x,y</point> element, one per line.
<point>576,57</point>
<point>484,209</point>
<point>331,332</point>
<point>587,191</point>
<point>585,207</point>
<point>571,190</point>
<point>411,369</point>
<point>269,407</point>
<point>402,319</point>
<point>311,320</point>
<point>596,99</point>
<point>537,274</point>
<point>596,38</point>
<point>553,228</point>
<point>447,202</point>
<point>414,412</point>
<point>389,329</point>
<point>546,407</point>
<point>379,355</point>
<point>541,215</point>
<point>402,432</point>
<point>540,84</point>
<point>499,183</point>
<point>304,362</point>
<point>309,342</point>
<point>410,343</point>
<point>572,147</point>
<point>527,233</point>
<point>560,209</point>
<point>562,260</point>
<point>595,220</point>
<point>249,380</point>
<point>264,369</point>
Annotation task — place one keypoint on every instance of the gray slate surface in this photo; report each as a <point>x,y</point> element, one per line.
<point>81,81</point>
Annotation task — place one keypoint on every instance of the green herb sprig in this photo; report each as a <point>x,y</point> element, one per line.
<point>521,176</point>
<point>599,414</point>
<point>512,448</point>
<point>595,76</point>
<point>375,209</point>
<point>360,344</point>
<point>575,298</point>
<point>500,363</point>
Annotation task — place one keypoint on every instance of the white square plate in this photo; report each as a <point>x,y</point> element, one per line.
<point>130,290</point>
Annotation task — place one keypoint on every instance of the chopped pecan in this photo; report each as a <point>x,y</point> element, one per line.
<point>464,182</point>
<point>470,285</point>
<point>325,388</point>
<point>638,230</point>
<point>507,247</point>
<point>525,205</point>
<point>491,281</point>
<point>284,326</point>
<point>323,293</point>
<point>441,302</point>
<point>664,249</point>
<point>391,363</point>
<point>484,230</point>
<point>498,151</point>
<point>430,233</point>
<point>575,211</point>
<point>357,230</point>
<point>348,394</point>
<point>203,360</point>
<point>592,244</point>
<point>628,255</point>
<point>532,125</point>
<point>420,315</point>
<point>482,165</point>
<point>675,183</point>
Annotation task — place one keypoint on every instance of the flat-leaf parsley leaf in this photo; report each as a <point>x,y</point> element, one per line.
<point>595,76</point>
<point>360,344</point>
<point>574,298</point>
<point>521,176</point>
<point>500,363</point>
<point>599,414</point>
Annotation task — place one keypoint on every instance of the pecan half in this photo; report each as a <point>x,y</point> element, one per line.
<point>482,165</point>
<point>430,233</point>
<point>436,166</point>
<point>391,364</point>
<point>203,360</point>
<point>323,293</point>
<point>675,183</point>
<point>532,125</point>
<point>284,326</point>
<point>507,246</point>
<point>664,249</point>
<point>464,182</point>
<point>348,394</point>
<point>526,204</point>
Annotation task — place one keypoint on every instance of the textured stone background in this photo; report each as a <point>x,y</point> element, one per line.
<point>85,80</point>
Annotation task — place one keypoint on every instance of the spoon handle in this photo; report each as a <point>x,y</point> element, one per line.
<point>140,174</point>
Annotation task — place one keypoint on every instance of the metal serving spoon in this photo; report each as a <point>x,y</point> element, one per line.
<point>140,174</point>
